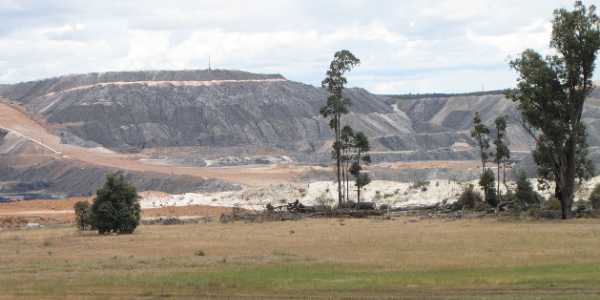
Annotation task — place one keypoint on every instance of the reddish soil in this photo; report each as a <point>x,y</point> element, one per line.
<point>458,165</point>
<point>61,212</point>
<point>14,119</point>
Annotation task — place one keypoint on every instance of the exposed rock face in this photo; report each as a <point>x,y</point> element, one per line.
<point>242,118</point>
<point>69,178</point>
<point>28,91</point>
<point>185,108</point>
<point>132,111</point>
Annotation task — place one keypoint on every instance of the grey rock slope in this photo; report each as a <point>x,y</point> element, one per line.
<point>28,91</point>
<point>224,109</point>
<point>145,115</point>
<point>70,178</point>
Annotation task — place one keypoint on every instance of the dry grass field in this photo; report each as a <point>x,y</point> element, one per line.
<point>308,259</point>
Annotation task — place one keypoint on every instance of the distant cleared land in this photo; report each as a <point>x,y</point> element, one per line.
<point>443,95</point>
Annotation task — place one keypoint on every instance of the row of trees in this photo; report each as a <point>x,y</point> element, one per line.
<point>481,133</point>
<point>550,93</point>
<point>523,196</point>
<point>349,147</point>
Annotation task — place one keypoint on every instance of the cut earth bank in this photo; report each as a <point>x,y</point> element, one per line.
<point>390,193</point>
<point>156,204</point>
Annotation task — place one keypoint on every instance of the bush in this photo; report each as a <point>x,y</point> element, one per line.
<point>525,192</point>
<point>270,207</point>
<point>518,206</point>
<point>469,198</point>
<point>509,196</point>
<point>487,182</point>
<point>420,185</point>
<point>82,215</point>
<point>115,207</point>
<point>482,206</point>
<point>532,208</point>
<point>595,197</point>
<point>553,204</point>
<point>323,201</point>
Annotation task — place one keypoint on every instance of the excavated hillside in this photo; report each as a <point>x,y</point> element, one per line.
<point>134,111</point>
<point>181,126</point>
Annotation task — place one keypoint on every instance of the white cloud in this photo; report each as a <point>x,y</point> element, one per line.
<point>8,75</point>
<point>534,36</point>
<point>146,49</point>
<point>457,10</point>
<point>419,46</point>
<point>10,5</point>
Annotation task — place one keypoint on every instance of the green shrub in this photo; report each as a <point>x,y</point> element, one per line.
<point>115,208</point>
<point>553,204</point>
<point>583,202</point>
<point>323,201</point>
<point>482,206</point>
<point>525,192</point>
<point>420,185</point>
<point>532,208</point>
<point>595,197</point>
<point>82,215</point>
<point>270,207</point>
<point>487,182</point>
<point>469,198</point>
<point>509,196</point>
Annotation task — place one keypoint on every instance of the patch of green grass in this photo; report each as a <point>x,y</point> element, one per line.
<point>340,280</point>
<point>326,280</point>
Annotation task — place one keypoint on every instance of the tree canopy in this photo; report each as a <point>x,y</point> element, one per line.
<point>115,207</point>
<point>361,146</point>
<point>551,92</point>
<point>343,61</point>
<point>82,214</point>
<point>525,192</point>
<point>480,134</point>
<point>502,152</point>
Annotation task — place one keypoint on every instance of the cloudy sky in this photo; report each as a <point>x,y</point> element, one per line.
<point>426,46</point>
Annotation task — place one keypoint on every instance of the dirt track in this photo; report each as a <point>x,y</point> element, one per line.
<point>15,120</point>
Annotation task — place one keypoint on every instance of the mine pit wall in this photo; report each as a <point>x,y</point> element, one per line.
<point>70,178</point>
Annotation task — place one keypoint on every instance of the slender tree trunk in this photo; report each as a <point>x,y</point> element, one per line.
<point>338,160</point>
<point>482,159</point>
<point>485,190</point>
<point>347,179</point>
<point>504,174</point>
<point>358,177</point>
<point>339,180</point>
<point>498,189</point>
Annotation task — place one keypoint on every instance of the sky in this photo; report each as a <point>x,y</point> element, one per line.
<point>426,46</point>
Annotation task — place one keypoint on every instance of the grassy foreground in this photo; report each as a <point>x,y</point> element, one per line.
<point>316,258</point>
